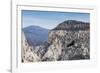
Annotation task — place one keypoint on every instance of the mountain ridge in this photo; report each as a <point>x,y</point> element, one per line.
<point>72,25</point>
<point>33,35</point>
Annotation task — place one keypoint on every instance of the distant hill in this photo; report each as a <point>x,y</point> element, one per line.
<point>35,35</point>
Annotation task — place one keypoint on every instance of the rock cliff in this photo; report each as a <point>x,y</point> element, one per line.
<point>70,40</point>
<point>27,54</point>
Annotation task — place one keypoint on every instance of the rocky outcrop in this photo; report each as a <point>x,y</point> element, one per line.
<point>28,55</point>
<point>70,40</point>
<point>68,45</point>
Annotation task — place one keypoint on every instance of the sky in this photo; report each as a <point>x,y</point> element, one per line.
<point>50,19</point>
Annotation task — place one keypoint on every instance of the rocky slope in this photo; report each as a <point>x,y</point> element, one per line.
<point>68,45</point>
<point>27,54</point>
<point>70,40</point>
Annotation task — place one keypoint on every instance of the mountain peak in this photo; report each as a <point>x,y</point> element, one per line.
<point>72,25</point>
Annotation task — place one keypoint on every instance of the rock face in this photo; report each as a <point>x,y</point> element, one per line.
<point>27,54</point>
<point>68,45</point>
<point>70,40</point>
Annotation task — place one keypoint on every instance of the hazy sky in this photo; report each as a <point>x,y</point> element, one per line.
<point>50,20</point>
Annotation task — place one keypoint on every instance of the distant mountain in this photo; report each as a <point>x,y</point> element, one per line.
<point>72,25</point>
<point>35,35</point>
